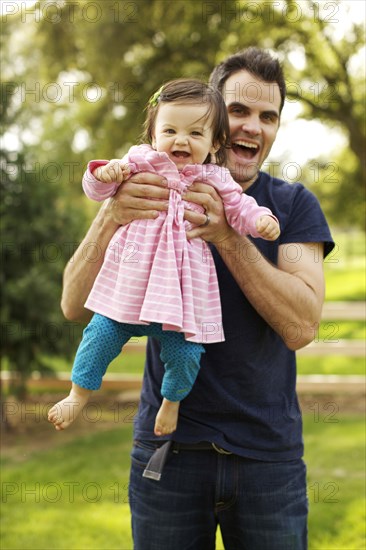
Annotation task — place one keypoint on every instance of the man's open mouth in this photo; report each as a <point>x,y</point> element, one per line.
<point>245,149</point>
<point>180,154</point>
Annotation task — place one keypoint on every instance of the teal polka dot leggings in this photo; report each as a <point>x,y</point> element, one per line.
<point>103,340</point>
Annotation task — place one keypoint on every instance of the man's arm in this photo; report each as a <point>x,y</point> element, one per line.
<point>134,200</point>
<point>288,296</point>
<point>84,266</point>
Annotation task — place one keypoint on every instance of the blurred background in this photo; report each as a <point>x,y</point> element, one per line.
<point>76,76</point>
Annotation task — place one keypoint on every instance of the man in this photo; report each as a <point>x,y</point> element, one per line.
<point>236,456</point>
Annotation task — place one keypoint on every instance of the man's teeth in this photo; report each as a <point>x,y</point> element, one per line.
<point>246,144</point>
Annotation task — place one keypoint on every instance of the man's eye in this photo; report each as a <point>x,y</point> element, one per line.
<point>269,117</point>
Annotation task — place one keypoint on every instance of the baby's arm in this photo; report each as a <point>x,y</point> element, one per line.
<point>242,211</point>
<point>63,413</point>
<point>268,228</point>
<point>102,178</point>
<point>116,171</point>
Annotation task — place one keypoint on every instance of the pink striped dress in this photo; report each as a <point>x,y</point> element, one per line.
<point>151,272</point>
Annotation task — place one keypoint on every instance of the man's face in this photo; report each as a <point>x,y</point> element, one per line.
<point>254,116</point>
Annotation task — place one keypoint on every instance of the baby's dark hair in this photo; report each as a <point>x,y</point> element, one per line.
<point>187,90</point>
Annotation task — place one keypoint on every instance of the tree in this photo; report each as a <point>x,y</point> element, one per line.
<point>330,91</point>
<point>76,76</point>
<point>38,236</point>
<point>124,51</point>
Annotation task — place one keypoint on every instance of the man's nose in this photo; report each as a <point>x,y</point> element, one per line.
<point>252,125</point>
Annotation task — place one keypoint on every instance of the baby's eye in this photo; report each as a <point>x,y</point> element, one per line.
<point>196,133</point>
<point>169,131</point>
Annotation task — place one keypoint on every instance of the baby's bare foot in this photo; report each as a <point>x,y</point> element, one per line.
<point>167,418</point>
<point>63,413</point>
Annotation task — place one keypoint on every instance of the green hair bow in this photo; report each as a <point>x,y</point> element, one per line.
<point>153,101</point>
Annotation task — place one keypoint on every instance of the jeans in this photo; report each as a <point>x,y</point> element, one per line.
<point>258,505</point>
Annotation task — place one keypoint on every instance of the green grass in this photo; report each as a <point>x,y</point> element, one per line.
<point>331,364</point>
<point>345,268</point>
<point>332,331</point>
<point>72,497</point>
<point>335,455</point>
<point>75,496</point>
<point>129,363</point>
<point>345,284</point>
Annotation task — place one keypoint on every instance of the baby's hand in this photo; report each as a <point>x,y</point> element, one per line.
<point>113,172</point>
<point>268,228</point>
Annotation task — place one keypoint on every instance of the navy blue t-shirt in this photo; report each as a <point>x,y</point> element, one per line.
<point>244,398</point>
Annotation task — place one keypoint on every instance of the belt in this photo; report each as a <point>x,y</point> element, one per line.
<point>154,467</point>
<point>201,446</point>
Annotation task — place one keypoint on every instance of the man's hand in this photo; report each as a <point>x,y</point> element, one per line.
<point>217,230</point>
<point>143,196</point>
<point>113,172</point>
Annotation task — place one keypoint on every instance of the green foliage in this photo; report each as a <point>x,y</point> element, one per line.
<point>93,66</point>
<point>76,78</point>
<point>338,184</point>
<point>38,236</point>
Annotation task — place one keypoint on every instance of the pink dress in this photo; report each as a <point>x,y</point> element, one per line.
<point>151,272</point>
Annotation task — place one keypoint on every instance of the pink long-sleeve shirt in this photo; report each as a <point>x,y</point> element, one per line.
<point>151,272</point>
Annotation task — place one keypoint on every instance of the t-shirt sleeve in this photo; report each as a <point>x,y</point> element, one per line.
<point>306,222</point>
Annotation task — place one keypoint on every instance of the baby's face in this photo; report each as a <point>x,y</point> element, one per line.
<point>184,133</point>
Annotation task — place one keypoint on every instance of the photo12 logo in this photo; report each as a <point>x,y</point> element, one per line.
<point>56,12</point>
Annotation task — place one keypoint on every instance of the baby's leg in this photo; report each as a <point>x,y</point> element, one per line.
<point>167,418</point>
<point>102,341</point>
<point>182,363</point>
<point>63,413</point>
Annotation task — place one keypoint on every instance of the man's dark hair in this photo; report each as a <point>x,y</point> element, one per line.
<point>256,61</point>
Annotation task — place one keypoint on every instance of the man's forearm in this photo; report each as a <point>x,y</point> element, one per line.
<point>290,302</point>
<point>84,266</point>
